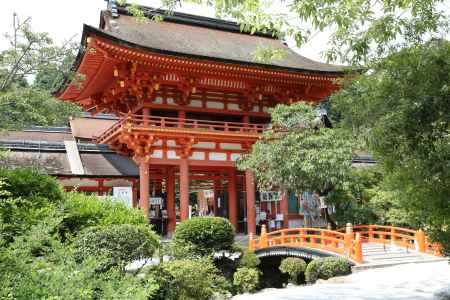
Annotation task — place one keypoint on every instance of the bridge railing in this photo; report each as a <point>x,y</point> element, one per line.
<point>317,238</point>
<point>347,241</point>
<point>398,236</point>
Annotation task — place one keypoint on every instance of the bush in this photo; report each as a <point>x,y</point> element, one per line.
<point>249,260</point>
<point>246,279</point>
<point>325,268</point>
<point>31,183</point>
<point>192,279</point>
<point>55,274</point>
<point>120,244</point>
<point>293,266</point>
<point>81,211</point>
<point>26,197</point>
<point>203,236</point>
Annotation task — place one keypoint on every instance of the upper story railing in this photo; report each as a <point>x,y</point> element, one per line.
<point>130,121</point>
<point>169,122</point>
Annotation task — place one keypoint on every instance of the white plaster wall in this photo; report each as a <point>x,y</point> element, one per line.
<point>171,154</point>
<point>205,145</point>
<point>217,156</point>
<point>233,106</point>
<point>197,155</point>
<point>230,146</point>
<point>215,104</point>
<point>158,100</point>
<point>157,154</point>
<point>195,103</point>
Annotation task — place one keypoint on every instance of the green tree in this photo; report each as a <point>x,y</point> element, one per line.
<point>402,111</point>
<point>298,154</point>
<point>33,55</point>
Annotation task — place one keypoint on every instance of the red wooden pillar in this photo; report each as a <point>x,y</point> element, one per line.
<point>184,189</point>
<point>146,115</point>
<point>284,207</point>
<point>232,199</point>
<point>170,192</point>
<point>182,117</point>
<point>144,185</point>
<point>134,189</point>
<point>216,196</point>
<point>250,192</point>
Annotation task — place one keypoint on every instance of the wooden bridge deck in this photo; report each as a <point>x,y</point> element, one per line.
<point>382,255</point>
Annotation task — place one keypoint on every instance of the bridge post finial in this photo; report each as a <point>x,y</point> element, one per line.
<point>348,228</point>
<point>420,241</point>
<point>348,238</point>
<point>263,238</point>
<point>358,249</point>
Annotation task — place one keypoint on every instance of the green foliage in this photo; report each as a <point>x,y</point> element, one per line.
<point>120,244</point>
<point>246,279</point>
<point>268,54</point>
<point>298,154</point>
<point>163,281</point>
<point>31,183</point>
<point>293,266</point>
<point>359,30</point>
<point>81,211</point>
<point>203,236</point>
<point>29,53</point>
<point>193,279</point>
<point>356,201</point>
<point>33,54</point>
<point>325,268</point>
<point>37,266</point>
<point>26,196</point>
<point>249,260</point>
<point>32,106</point>
<point>401,109</point>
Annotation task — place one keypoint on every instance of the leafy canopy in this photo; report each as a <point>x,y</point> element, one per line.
<point>33,55</point>
<point>402,111</point>
<point>298,154</point>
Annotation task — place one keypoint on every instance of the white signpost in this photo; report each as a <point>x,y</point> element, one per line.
<point>123,194</point>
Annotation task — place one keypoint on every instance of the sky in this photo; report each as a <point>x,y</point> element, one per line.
<point>63,19</point>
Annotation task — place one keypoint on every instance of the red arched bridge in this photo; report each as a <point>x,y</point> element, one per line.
<point>361,245</point>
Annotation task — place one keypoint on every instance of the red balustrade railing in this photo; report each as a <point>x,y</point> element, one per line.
<point>402,237</point>
<point>148,122</point>
<point>347,241</point>
<point>317,238</point>
<point>169,122</point>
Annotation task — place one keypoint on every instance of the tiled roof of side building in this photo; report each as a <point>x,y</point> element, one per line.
<point>204,38</point>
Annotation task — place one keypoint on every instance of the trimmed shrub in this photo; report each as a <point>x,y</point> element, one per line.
<point>246,280</point>
<point>119,244</point>
<point>293,266</point>
<point>193,279</point>
<point>202,236</point>
<point>325,268</point>
<point>31,183</point>
<point>81,211</point>
<point>249,260</point>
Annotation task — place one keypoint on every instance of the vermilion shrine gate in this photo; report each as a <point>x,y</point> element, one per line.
<point>191,101</point>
